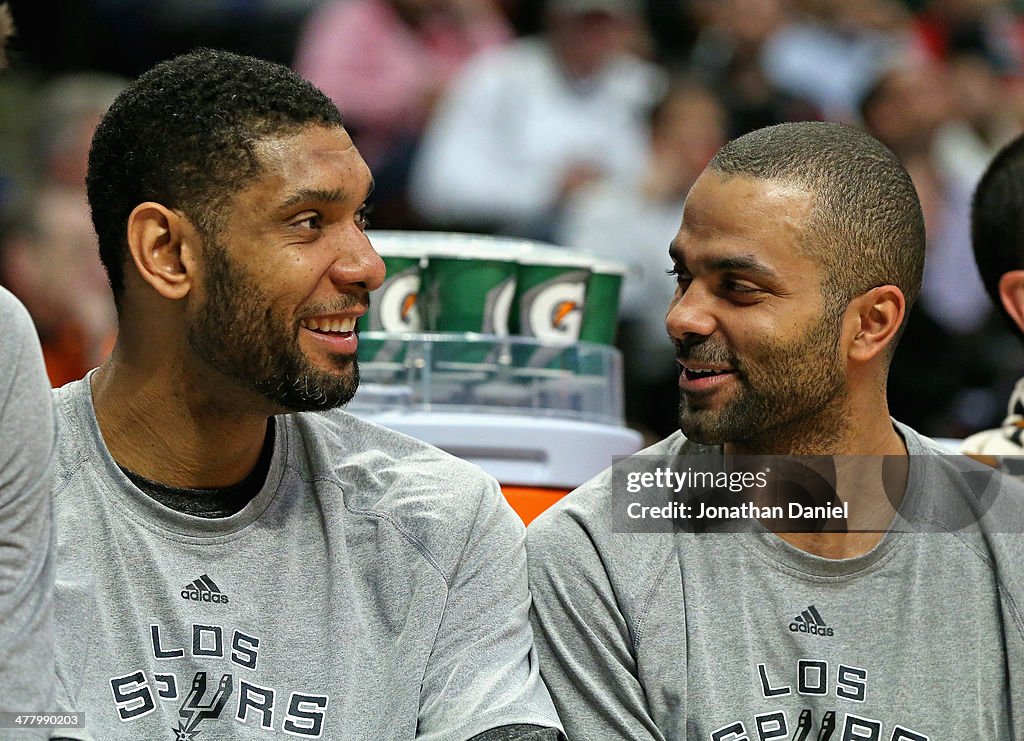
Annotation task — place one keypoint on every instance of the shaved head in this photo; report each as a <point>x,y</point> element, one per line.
<point>866,228</point>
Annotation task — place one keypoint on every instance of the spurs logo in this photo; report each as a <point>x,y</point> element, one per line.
<point>199,696</point>
<point>194,711</point>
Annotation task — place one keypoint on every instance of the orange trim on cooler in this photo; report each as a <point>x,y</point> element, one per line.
<point>530,501</point>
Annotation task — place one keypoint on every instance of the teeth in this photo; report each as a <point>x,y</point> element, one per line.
<point>705,373</point>
<point>335,325</point>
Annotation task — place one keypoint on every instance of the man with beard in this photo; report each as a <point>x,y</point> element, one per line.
<point>892,615</point>
<point>237,560</point>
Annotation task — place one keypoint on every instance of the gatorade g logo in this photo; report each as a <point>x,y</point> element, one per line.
<point>397,308</point>
<point>553,310</point>
<point>498,306</point>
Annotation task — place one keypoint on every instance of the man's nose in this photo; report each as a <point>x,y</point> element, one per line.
<point>358,263</point>
<point>690,313</point>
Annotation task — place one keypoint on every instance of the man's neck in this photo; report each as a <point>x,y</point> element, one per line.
<point>167,426</point>
<point>872,488</point>
<point>859,449</point>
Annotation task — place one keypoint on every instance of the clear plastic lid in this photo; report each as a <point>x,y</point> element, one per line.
<point>481,247</point>
<point>488,374</point>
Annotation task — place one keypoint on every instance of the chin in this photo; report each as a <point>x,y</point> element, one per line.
<point>699,433</point>
<point>312,391</point>
<point>699,425</point>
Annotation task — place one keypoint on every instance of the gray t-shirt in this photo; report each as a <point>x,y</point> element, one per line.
<point>27,444</point>
<point>375,588</point>
<point>698,636</point>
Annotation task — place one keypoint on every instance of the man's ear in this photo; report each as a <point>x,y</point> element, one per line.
<point>162,244</point>
<point>877,316</point>
<point>1011,293</point>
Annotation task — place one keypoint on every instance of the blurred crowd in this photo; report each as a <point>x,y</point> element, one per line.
<point>581,122</point>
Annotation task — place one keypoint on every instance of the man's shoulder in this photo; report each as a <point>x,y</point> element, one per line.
<point>13,312</point>
<point>431,495</point>
<point>338,437</point>
<point>980,505</point>
<point>76,421</point>
<point>592,500</point>
<point>583,519</point>
<point>20,354</point>
<point>951,472</point>
<point>527,50</point>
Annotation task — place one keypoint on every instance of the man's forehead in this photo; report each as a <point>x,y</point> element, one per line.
<point>745,209</point>
<point>313,159</point>
<point>278,151</point>
<point>736,222</point>
<point>717,199</point>
<point>314,138</point>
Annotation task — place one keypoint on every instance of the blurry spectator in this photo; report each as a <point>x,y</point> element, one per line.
<point>674,26</point>
<point>527,126</point>
<point>49,255</point>
<point>634,223</point>
<point>831,52</point>
<point>907,108</point>
<point>990,29</point>
<point>71,107</point>
<point>727,57</point>
<point>6,31</point>
<point>50,260</point>
<point>984,123</point>
<point>384,63</point>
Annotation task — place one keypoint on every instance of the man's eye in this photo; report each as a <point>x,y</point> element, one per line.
<point>363,217</point>
<point>741,288</point>
<point>681,275</point>
<point>731,285</point>
<point>742,292</point>
<point>310,222</point>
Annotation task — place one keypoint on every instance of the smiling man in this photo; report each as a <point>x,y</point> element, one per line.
<point>894,615</point>
<point>237,558</point>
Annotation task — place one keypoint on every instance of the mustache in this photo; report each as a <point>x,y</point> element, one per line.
<point>708,350</point>
<point>339,305</point>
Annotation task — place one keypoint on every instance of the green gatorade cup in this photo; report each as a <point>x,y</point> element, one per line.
<point>601,308</point>
<point>395,306</point>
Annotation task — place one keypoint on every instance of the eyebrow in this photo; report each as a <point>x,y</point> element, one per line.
<point>745,264</point>
<point>739,263</point>
<point>335,195</point>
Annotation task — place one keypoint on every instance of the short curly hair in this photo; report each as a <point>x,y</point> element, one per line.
<point>182,135</point>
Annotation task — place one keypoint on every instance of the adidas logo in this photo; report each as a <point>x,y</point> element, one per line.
<point>810,621</point>
<point>204,590</point>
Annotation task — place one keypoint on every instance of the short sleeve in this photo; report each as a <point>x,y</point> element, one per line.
<point>583,639</point>
<point>27,447</point>
<point>482,672</point>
